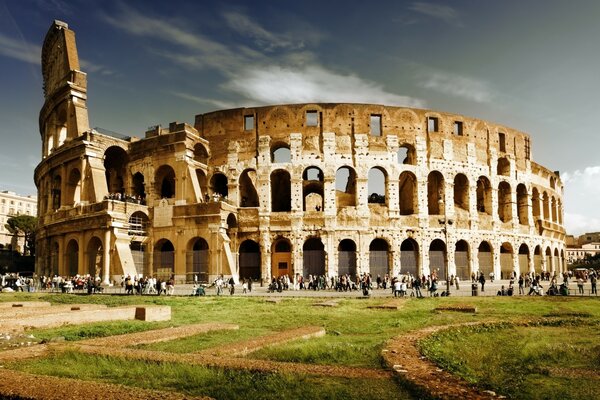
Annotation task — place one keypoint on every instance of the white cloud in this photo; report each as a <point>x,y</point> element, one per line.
<point>242,24</point>
<point>205,100</point>
<point>582,200</point>
<point>20,50</point>
<point>456,85</point>
<point>445,13</point>
<point>276,84</point>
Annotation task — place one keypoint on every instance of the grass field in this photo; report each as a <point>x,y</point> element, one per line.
<point>355,337</point>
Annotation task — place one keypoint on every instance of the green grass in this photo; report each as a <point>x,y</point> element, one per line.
<point>355,337</point>
<point>546,361</point>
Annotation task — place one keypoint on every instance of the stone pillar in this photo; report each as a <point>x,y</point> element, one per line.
<point>106,258</point>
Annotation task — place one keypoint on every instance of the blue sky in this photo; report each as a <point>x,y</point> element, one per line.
<point>531,65</point>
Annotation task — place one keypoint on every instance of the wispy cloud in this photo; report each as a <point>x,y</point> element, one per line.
<point>582,189</point>
<point>265,39</point>
<point>444,13</point>
<point>205,100</point>
<point>19,49</point>
<point>456,85</point>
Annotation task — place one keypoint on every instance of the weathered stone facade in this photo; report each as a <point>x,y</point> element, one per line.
<point>288,189</point>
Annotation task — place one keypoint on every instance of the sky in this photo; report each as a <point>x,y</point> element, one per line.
<point>530,65</point>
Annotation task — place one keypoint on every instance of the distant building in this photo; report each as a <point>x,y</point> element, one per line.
<point>577,254</point>
<point>12,204</point>
<point>588,237</point>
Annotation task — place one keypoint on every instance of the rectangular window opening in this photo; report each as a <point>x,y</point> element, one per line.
<point>312,118</point>
<point>458,128</point>
<point>248,122</point>
<point>432,124</point>
<point>375,125</point>
<point>502,141</point>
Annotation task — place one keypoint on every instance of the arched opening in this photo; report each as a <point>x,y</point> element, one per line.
<point>461,259</point>
<point>461,193</point>
<point>379,260</point>
<point>504,202</point>
<point>281,258</point>
<point>407,185</point>
<point>522,206</point>
<point>552,183</point>
<point>281,191</point>
<point>313,257</point>
<point>72,254</point>
<point>248,193</point>
<point>546,205</point>
<point>347,258</point>
<point>409,257</point>
<point>549,266</point>
<point>115,166</point>
<point>377,184</point>
<point>553,208</point>
<point>95,256</point>
<point>535,204</point>
<point>556,261</point>
<point>484,195</point>
<point>250,260</point>
<point>74,187</point>
<point>280,153</point>
<point>138,224</point>
<point>563,267</point>
<point>406,155</point>
<point>537,259</point>
<point>54,255</point>
<point>438,262</point>
<point>165,182</point>
<point>503,167</point>
<point>164,259</point>
<point>139,187</point>
<point>218,187</point>
<point>485,258</point>
<point>200,154</point>
<point>345,187</point>
<point>231,222</point>
<point>435,193</point>
<point>197,260</point>
<point>506,260</point>
<point>56,192</point>
<point>523,258</point>
<point>312,189</point>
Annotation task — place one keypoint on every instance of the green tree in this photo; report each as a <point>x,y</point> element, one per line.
<point>24,225</point>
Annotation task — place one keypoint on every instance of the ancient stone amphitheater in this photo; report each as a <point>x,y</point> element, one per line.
<point>287,189</point>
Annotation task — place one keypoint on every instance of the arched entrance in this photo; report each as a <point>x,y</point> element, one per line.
<point>313,257</point>
<point>409,257</point>
<point>437,259</point>
<point>197,260</point>
<point>249,260</point>
<point>347,258</point>
<point>506,260</point>
<point>379,263</point>
<point>281,258</point>
<point>95,257</point>
<point>164,259</point>
<point>537,259</point>
<point>485,258</point>
<point>523,258</point>
<point>72,254</point>
<point>461,259</point>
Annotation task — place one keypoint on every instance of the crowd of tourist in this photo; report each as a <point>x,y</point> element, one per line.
<point>118,196</point>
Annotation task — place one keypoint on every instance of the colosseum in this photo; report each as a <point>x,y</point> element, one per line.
<point>322,189</point>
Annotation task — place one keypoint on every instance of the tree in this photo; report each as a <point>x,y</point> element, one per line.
<point>24,225</point>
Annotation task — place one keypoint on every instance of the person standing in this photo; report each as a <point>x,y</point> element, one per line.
<point>456,281</point>
<point>593,280</point>
<point>521,284</point>
<point>482,280</point>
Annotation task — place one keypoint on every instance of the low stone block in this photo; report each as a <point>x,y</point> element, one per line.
<point>153,313</point>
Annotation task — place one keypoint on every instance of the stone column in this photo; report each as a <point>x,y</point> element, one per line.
<point>106,257</point>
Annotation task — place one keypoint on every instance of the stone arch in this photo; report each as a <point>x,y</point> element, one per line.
<point>139,186</point>
<point>522,204</point>
<point>345,187</point>
<point>313,257</point>
<point>164,179</point>
<point>535,203</point>
<point>56,191</point>
<point>504,202</point>
<point>406,154</point>
<point>549,260</point>
<point>281,191</point>
<point>556,261</point>
<point>54,256</point>
<point>485,257</point>
<point>461,259</point>
<point>484,195</point>
<point>281,257</point>
<point>537,259</point>
<point>407,186</point>
<point>231,222</point>
<point>435,193</point>
<point>219,186</point>
<point>347,258</point>
<point>73,195</point>
<point>138,224</point>
<point>281,153</point>
<point>200,153</point>
<point>461,192</point>
<point>312,189</point>
<point>503,167</point>
<point>248,193</point>
<point>72,257</point>
<point>164,259</point>
<point>249,256</point>
<point>379,262</point>
<point>95,257</point>
<point>546,206</point>
<point>506,260</point>
<point>438,262</point>
<point>553,209</point>
<point>409,257</point>
<point>377,185</point>
<point>115,164</point>
<point>524,258</point>
<point>197,260</point>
